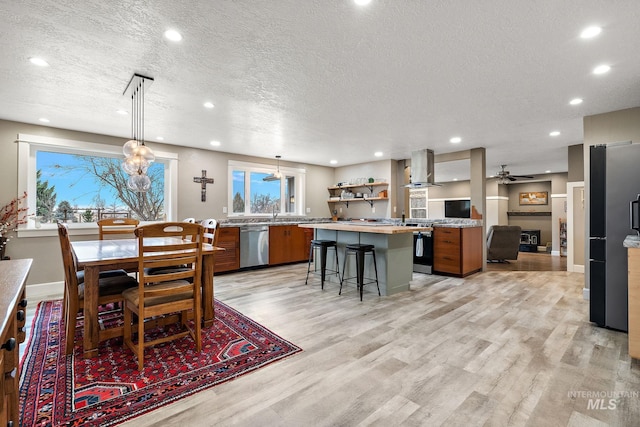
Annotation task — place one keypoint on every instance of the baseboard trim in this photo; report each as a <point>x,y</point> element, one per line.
<point>555,253</point>
<point>585,294</point>
<point>578,268</point>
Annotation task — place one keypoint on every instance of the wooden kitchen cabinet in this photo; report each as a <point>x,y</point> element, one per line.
<point>229,259</point>
<point>13,276</point>
<point>457,251</point>
<point>289,243</point>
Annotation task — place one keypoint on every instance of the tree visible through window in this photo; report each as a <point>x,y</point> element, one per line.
<point>252,195</point>
<point>82,188</point>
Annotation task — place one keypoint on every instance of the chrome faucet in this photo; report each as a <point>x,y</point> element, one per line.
<point>275,214</point>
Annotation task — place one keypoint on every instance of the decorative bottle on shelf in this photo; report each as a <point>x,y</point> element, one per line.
<point>403,216</point>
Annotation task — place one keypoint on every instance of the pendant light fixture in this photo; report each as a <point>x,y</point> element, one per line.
<point>276,175</point>
<point>138,156</point>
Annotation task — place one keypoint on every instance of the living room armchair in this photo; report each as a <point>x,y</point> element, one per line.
<point>503,243</point>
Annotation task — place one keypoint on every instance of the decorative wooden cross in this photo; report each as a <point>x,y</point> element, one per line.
<point>203,180</point>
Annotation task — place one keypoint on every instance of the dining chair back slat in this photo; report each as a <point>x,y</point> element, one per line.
<point>211,227</point>
<point>116,226</point>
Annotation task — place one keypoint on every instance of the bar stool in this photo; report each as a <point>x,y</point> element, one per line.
<point>323,245</point>
<point>360,250</point>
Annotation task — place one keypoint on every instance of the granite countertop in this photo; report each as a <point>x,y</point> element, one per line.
<point>444,223</point>
<point>264,221</point>
<point>632,241</point>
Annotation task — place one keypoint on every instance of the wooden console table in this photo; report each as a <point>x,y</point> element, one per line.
<point>13,277</point>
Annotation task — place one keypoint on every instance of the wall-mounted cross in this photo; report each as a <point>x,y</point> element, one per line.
<point>203,180</point>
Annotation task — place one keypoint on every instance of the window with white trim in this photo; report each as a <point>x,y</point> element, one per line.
<point>255,190</point>
<point>85,178</point>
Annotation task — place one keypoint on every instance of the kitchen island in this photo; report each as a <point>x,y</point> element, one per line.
<point>394,250</point>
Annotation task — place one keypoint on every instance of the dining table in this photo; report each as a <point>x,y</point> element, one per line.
<point>94,256</point>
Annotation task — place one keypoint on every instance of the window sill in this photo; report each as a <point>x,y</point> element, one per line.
<point>49,230</point>
<point>75,229</point>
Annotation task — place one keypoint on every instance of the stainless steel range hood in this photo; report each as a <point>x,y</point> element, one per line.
<point>422,169</point>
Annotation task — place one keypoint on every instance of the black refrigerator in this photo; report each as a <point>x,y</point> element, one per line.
<point>614,183</point>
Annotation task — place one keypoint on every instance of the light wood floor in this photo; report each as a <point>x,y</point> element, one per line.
<point>531,261</point>
<point>493,349</point>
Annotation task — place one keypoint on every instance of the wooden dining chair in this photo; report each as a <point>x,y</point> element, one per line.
<point>168,291</point>
<point>110,288</point>
<point>117,226</point>
<point>211,227</point>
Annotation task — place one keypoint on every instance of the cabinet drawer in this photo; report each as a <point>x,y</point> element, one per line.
<point>447,264</point>
<point>447,235</point>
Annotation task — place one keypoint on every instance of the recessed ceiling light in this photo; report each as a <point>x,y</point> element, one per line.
<point>455,179</point>
<point>44,120</point>
<point>123,112</point>
<point>590,32</point>
<point>554,133</point>
<point>333,162</point>
<point>601,69</point>
<point>159,138</point>
<point>209,105</point>
<point>362,2</point>
<point>215,143</point>
<point>455,140</point>
<point>173,35</point>
<point>547,171</point>
<point>378,154</point>
<point>576,101</point>
<point>39,62</point>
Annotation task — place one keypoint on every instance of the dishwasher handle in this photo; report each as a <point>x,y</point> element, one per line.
<point>253,229</point>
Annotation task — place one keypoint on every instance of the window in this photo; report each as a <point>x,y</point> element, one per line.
<point>251,194</point>
<point>83,182</point>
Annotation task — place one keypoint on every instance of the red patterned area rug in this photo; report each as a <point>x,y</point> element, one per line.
<point>69,390</point>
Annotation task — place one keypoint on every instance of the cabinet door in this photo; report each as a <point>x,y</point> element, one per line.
<point>279,244</point>
<point>472,242</point>
<point>4,406</point>
<point>300,242</point>
<point>229,259</point>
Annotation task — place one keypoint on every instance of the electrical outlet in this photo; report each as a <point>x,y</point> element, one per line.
<point>340,210</point>
<point>394,209</point>
<point>224,209</point>
<point>308,210</point>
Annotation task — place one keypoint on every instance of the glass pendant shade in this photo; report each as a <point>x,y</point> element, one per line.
<point>129,147</point>
<point>134,165</point>
<point>144,152</point>
<point>139,183</point>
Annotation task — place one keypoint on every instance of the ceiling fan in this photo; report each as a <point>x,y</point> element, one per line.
<point>505,177</point>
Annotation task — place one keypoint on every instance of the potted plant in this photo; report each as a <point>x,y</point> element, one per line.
<point>11,215</point>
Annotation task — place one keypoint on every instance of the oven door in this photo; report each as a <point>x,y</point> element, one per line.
<point>423,252</point>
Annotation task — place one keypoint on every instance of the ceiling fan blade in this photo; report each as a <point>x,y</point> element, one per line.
<point>511,178</point>
<point>523,176</point>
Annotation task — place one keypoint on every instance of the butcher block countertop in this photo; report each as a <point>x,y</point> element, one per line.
<point>364,227</point>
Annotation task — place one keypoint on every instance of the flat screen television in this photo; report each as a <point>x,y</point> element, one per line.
<point>457,208</point>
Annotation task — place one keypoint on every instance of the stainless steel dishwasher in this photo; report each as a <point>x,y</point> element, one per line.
<point>254,245</point>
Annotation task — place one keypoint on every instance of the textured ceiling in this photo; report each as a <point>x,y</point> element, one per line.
<point>320,80</point>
